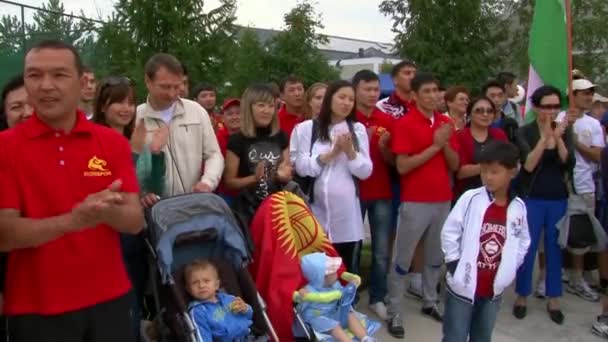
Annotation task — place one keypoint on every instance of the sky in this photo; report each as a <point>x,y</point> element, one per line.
<point>346,18</point>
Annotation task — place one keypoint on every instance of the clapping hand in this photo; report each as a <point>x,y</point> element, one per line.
<point>97,207</point>
<point>160,138</point>
<point>442,135</point>
<point>559,130</point>
<point>260,170</point>
<point>138,138</point>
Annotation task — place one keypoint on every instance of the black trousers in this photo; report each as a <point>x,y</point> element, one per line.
<point>105,322</point>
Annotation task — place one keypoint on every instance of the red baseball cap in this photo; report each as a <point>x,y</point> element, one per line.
<point>230,102</point>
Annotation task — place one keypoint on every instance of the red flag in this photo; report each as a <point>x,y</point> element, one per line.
<point>283,230</point>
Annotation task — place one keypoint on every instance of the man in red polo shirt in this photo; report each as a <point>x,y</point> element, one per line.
<point>375,192</point>
<point>68,187</point>
<point>292,94</point>
<point>424,161</point>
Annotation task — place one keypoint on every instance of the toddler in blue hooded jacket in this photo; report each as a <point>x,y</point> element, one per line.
<point>325,304</point>
<point>217,315</point>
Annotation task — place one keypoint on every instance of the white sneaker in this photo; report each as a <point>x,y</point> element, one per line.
<point>582,289</point>
<point>380,310</point>
<point>540,289</point>
<point>600,327</point>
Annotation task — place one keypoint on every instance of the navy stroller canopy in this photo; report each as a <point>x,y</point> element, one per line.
<point>199,212</point>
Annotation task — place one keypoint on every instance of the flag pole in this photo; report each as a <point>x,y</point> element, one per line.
<point>568,4</point>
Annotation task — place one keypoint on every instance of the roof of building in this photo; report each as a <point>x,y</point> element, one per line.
<point>340,47</point>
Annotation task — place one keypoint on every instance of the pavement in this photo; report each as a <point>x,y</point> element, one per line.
<point>535,327</point>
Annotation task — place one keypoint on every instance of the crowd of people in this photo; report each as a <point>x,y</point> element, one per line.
<point>451,185</point>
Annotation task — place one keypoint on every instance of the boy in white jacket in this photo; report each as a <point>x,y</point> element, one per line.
<point>484,239</point>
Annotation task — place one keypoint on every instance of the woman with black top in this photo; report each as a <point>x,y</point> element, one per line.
<point>547,148</point>
<point>472,141</point>
<point>257,159</point>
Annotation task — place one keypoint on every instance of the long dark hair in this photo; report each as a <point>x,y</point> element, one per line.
<point>113,90</point>
<point>324,118</point>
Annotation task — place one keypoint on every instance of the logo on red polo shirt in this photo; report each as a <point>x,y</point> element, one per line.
<point>97,168</point>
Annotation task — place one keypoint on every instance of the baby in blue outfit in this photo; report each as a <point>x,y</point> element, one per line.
<point>326,305</point>
<point>217,315</point>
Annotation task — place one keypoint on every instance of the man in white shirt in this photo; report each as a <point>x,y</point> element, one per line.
<point>194,162</point>
<point>589,140</point>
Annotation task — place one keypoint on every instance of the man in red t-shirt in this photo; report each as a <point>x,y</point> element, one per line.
<point>68,189</point>
<point>292,112</point>
<point>375,192</point>
<point>424,161</point>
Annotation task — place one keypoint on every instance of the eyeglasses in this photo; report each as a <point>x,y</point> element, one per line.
<point>550,107</point>
<point>484,111</point>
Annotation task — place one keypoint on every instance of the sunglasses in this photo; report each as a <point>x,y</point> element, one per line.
<point>113,81</point>
<point>550,107</point>
<point>484,111</point>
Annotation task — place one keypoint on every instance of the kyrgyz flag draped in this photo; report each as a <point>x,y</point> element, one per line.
<point>548,49</point>
<point>283,230</point>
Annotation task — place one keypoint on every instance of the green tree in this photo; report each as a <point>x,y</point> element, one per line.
<point>455,39</point>
<point>295,49</point>
<point>200,40</point>
<point>248,65</point>
<point>51,23</point>
<point>48,23</point>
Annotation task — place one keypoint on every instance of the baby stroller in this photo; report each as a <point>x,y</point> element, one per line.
<point>197,226</point>
<point>283,230</point>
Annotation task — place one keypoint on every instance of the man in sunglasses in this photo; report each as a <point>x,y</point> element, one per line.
<point>68,189</point>
<point>192,145</point>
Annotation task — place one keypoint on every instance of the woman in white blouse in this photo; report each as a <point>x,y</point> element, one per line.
<point>339,158</point>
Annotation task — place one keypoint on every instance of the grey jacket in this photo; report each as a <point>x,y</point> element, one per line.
<point>577,206</point>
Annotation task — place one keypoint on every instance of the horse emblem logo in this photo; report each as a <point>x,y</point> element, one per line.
<point>97,167</point>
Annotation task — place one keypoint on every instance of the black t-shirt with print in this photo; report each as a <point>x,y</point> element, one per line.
<point>251,151</point>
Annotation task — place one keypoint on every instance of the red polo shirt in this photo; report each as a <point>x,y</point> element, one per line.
<point>378,185</point>
<point>287,121</point>
<point>45,173</point>
<point>430,182</point>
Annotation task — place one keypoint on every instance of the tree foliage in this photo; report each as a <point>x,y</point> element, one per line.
<point>204,40</point>
<point>16,37</point>
<point>456,39</point>
<point>295,49</point>
<point>200,40</point>
<point>249,64</point>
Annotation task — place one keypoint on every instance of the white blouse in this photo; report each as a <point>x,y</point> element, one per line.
<point>335,203</point>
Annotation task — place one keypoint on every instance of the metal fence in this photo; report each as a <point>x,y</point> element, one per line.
<point>22,25</point>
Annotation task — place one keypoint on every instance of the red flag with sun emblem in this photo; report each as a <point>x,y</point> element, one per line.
<point>283,230</point>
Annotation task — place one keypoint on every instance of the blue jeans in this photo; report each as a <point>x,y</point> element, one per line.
<point>380,223</point>
<point>463,320</point>
<point>542,217</point>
